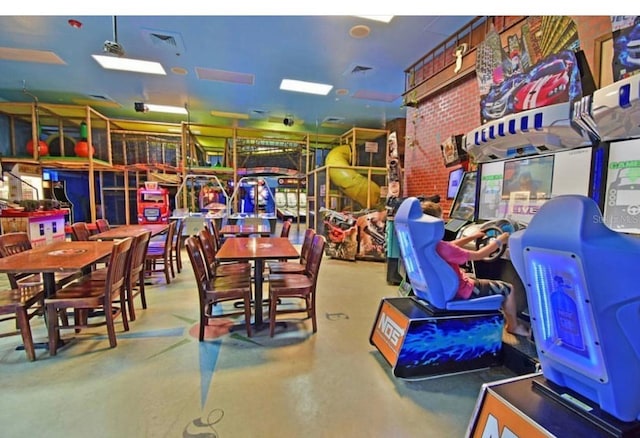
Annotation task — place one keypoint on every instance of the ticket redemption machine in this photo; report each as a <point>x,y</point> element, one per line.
<point>153,204</point>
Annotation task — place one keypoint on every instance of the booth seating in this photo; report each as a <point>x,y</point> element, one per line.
<point>432,333</point>
<point>581,281</point>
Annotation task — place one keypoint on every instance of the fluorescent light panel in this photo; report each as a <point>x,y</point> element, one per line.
<point>381,18</point>
<point>166,109</point>
<point>305,87</point>
<point>129,64</point>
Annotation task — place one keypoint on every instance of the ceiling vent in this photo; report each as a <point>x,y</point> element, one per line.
<point>357,69</point>
<point>334,120</point>
<point>171,41</point>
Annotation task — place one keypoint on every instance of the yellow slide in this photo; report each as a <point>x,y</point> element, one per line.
<point>353,184</point>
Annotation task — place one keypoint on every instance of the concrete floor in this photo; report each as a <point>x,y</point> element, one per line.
<point>161,382</point>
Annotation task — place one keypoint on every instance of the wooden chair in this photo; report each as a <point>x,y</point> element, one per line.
<point>134,272</point>
<point>13,243</point>
<point>15,304</point>
<point>286,226</point>
<point>216,290</point>
<point>102,225</point>
<point>215,232</point>
<point>297,286</point>
<point>135,280</point>
<point>80,231</point>
<point>286,267</point>
<point>208,247</point>
<point>87,295</point>
<point>176,245</point>
<point>158,258</point>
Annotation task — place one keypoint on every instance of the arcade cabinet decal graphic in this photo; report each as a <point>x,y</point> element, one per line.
<point>626,45</point>
<point>535,69</point>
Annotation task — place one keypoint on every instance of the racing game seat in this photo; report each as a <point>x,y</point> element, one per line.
<point>582,288</point>
<point>432,278</point>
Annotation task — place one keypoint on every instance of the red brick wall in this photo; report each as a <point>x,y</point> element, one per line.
<point>457,111</point>
<point>454,111</point>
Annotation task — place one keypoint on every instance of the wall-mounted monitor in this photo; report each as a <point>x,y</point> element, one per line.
<point>622,197</point>
<point>455,177</point>
<point>463,206</point>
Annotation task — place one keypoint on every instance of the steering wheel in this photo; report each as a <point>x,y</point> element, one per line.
<point>491,232</point>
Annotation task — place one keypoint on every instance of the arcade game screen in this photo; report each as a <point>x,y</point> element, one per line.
<point>530,175</point>
<point>463,207</point>
<point>622,198</point>
<point>454,182</point>
<point>518,188</point>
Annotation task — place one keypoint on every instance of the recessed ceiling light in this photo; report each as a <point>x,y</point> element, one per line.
<point>305,87</point>
<point>179,71</point>
<point>360,31</point>
<point>129,64</point>
<point>381,18</point>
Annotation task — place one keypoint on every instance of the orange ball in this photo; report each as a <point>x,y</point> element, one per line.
<point>43,148</point>
<point>82,149</point>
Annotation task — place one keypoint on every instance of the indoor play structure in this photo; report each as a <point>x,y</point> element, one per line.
<point>353,184</point>
<point>153,204</point>
<point>345,196</point>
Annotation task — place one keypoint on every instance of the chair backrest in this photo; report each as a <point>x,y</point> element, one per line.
<point>208,248</point>
<point>102,225</point>
<point>581,282</point>
<point>432,278</point>
<point>286,227</point>
<point>169,239</point>
<point>198,265</point>
<point>306,244</point>
<point>137,256</point>
<point>177,235</point>
<point>80,231</point>
<point>314,260</point>
<point>213,231</point>
<point>14,243</point>
<point>116,271</point>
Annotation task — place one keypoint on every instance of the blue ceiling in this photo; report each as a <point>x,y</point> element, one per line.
<point>367,74</point>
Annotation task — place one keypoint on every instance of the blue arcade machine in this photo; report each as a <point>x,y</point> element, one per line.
<point>431,334</point>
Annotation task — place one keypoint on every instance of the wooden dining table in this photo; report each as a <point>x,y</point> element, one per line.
<point>263,230</point>
<point>62,256</point>
<point>257,249</point>
<point>132,230</point>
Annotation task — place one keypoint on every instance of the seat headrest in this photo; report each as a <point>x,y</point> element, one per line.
<point>569,215</point>
<point>432,279</point>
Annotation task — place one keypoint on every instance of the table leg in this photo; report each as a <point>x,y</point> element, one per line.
<point>49,280</point>
<point>257,290</point>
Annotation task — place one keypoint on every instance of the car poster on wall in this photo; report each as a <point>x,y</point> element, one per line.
<point>532,69</point>
<point>626,45</point>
